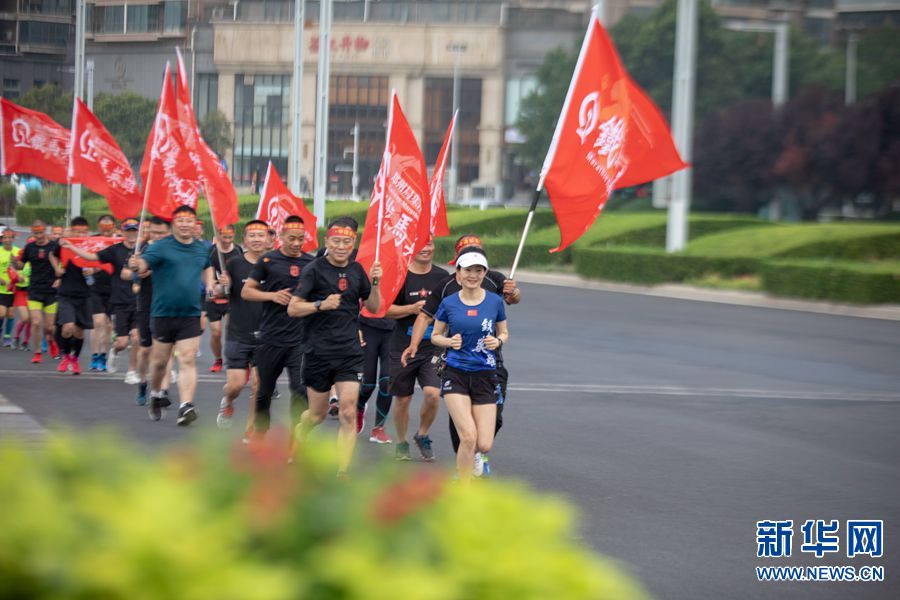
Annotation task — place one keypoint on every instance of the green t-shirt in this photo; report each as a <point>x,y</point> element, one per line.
<point>177,270</point>
<point>6,257</point>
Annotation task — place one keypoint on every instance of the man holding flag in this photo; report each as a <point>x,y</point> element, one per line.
<point>74,313</point>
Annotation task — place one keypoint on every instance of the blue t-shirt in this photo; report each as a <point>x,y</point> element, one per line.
<point>474,323</point>
<point>177,270</point>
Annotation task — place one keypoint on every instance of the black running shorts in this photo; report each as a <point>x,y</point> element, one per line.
<point>215,311</point>
<point>143,325</point>
<point>481,387</point>
<point>421,368</point>
<point>322,372</point>
<point>126,320</point>
<point>169,330</point>
<point>74,310</point>
<point>239,355</point>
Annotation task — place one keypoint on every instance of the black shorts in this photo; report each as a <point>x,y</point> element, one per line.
<point>239,355</point>
<point>100,304</point>
<point>169,330</point>
<point>142,317</point>
<point>6,300</point>
<point>44,297</point>
<point>74,310</point>
<point>421,368</point>
<point>215,311</point>
<point>482,387</point>
<point>322,372</point>
<point>126,320</point>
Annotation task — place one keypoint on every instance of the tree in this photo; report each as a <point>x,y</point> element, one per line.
<point>129,118</point>
<point>216,131</point>
<point>51,101</point>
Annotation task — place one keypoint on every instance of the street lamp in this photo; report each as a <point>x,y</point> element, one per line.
<point>780,58</point>
<point>458,49</point>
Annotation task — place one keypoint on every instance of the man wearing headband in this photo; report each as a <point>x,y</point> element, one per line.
<point>331,291</point>
<point>421,278</point>
<point>101,305</point>
<point>39,254</point>
<point>243,324</point>
<point>74,314</point>
<point>8,279</point>
<point>217,308</point>
<point>56,232</point>
<point>122,299</point>
<point>281,337</point>
<point>179,262</point>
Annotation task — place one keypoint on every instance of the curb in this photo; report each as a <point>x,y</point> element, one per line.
<point>15,422</point>
<point>890,312</point>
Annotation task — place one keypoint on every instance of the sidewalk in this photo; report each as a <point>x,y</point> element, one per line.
<point>15,422</point>
<point>890,312</point>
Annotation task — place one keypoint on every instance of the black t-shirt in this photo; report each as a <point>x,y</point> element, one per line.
<point>73,283</point>
<point>214,257</point>
<point>117,255</point>
<point>334,332</point>
<point>145,293</point>
<point>493,282</point>
<point>243,315</point>
<point>274,271</point>
<point>384,324</point>
<point>416,287</point>
<point>42,273</point>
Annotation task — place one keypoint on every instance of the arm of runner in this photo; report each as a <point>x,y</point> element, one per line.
<point>398,311</point>
<point>54,262</point>
<point>373,302</point>
<point>493,342</point>
<point>138,264</point>
<point>64,243</point>
<point>418,333</point>
<point>442,341</point>
<point>209,280</point>
<point>511,293</point>
<point>251,292</point>
<point>300,307</point>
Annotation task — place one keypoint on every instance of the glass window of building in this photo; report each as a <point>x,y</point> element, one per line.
<point>261,134</point>
<point>109,19</point>
<point>356,99</point>
<point>143,19</point>
<point>439,111</point>
<point>11,89</point>
<point>206,94</point>
<point>175,15</point>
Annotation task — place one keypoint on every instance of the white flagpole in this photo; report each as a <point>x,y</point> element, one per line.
<point>551,152</point>
<point>265,190</point>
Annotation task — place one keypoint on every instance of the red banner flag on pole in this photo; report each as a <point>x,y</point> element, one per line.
<point>93,244</point>
<point>97,162</point>
<point>170,178</point>
<point>33,143</point>
<point>398,223</point>
<point>587,154</point>
<point>220,193</point>
<point>649,145</point>
<point>439,226</point>
<point>276,203</point>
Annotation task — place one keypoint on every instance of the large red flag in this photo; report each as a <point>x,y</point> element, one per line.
<point>97,161</point>
<point>93,244</point>
<point>398,223</point>
<point>586,157</point>
<point>276,203</point>
<point>439,227</point>
<point>33,143</point>
<point>649,145</point>
<point>170,178</point>
<point>220,193</point>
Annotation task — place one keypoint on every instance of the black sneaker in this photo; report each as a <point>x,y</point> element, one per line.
<point>156,410</point>
<point>424,444</point>
<point>187,414</point>
<point>142,394</point>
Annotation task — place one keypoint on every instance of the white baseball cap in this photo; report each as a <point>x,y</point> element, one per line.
<point>471,259</point>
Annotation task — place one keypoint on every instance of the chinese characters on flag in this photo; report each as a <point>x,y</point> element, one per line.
<point>398,222</point>
<point>33,143</point>
<point>93,244</point>
<point>276,203</point>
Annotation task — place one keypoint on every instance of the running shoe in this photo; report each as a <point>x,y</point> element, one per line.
<point>101,362</point>
<point>158,405</point>
<point>333,407</point>
<point>132,378</point>
<point>15,344</point>
<point>44,347</point>
<point>485,466</point>
<point>402,452</point>
<point>478,467</point>
<point>94,362</point>
<point>63,365</point>
<point>54,351</point>
<point>37,358</point>
<point>74,366</point>
<point>187,414</point>
<point>226,412</point>
<point>111,366</point>
<point>217,366</point>
<point>361,419</point>
<point>424,444</point>
<point>379,436</point>
<point>142,394</point>
<point>7,342</point>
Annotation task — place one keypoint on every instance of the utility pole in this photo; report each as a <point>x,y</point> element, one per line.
<point>297,98</point>
<point>355,179</point>
<point>850,81</point>
<point>75,207</point>
<point>458,50</point>
<point>322,84</point>
<point>90,85</point>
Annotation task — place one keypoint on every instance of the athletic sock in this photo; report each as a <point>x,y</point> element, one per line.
<point>63,344</point>
<point>75,344</point>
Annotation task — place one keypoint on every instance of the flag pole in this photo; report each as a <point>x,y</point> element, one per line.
<point>534,203</point>
<point>387,138</point>
<point>265,191</point>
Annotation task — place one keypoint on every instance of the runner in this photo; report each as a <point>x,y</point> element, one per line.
<point>178,263</point>
<point>281,337</point>
<point>375,338</point>
<point>494,282</point>
<point>41,289</point>
<point>101,306</point>
<point>330,293</point>
<point>243,324</point>
<point>73,316</point>
<point>472,325</point>
<point>8,280</point>
<point>56,232</point>
<point>22,333</point>
<point>217,308</point>
<point>122,299</point>
<point>423,276</point>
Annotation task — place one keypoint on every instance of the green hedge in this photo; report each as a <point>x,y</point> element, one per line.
<point>53,215</point>
<point>501,253</point>
<point>884,246</point>
<point>645,265</point>
<point>831,281</point>
<point>699,226</point>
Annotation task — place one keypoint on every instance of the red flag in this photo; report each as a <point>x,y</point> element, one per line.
<point>170,178</point>
<point>398,223</point>
<point>586,157</point>
<point>220,193</point>
<point>649,146</point>
<point>33,143</point>
<point>97,161</point>
<point>439,227</point>
<point>93,244</point>
<point>276,203</point>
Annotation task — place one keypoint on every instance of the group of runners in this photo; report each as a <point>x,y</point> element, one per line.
<point>279,310</point>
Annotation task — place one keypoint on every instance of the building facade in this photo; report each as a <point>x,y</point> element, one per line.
<point>36,44</point>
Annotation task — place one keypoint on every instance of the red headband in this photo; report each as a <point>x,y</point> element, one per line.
<point>257,227</point>
<point>469,240</point>
<point>38,229</point>
<point>340,231</point>
<point>186,213</point>
<point>293,225</point>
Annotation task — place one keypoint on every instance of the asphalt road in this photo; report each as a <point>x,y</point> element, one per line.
<point>673,425</point>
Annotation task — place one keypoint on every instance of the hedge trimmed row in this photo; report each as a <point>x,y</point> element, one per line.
<point>53,215</point>
<point>699,226</point>
<point>820,280</point>
<point>873,247</point>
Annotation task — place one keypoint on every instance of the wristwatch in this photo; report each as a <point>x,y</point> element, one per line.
<point>318,305</point>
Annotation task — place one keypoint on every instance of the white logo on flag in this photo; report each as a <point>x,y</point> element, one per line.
<point>21,134</point>
<point>86,146</point>
<point>588,115</point>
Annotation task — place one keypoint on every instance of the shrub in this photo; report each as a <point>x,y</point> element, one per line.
<point>33,197</point>
<point>98,519</point>
<point>52,215</point>
<point>699,226</point>
<point>840,282</point>
<point>646,265</point>
<point>7,198</point>
<point>876,246</point>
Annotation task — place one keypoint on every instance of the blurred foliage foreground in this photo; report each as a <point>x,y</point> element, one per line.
<point>97,518</point>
